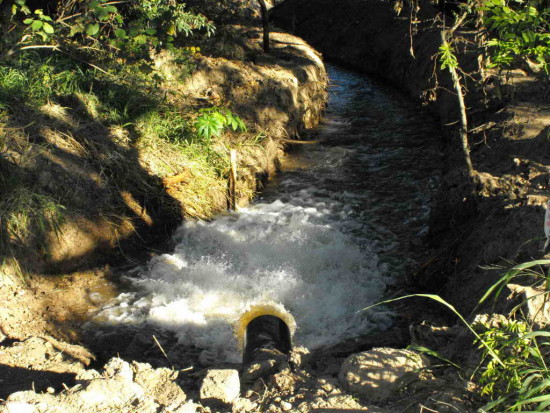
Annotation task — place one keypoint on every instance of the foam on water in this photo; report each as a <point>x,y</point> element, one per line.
<point>305,249</point>
<point>293,255</point>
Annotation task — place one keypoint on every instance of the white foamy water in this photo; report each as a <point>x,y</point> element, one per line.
<point>307,247</point>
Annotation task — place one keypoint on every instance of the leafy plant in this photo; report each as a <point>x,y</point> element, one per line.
<point>212,121</point>
<point>520,383</point>
<point>447,57</point>
<point>133,27</point>
<point>519,30</point>
<point>40,24</point>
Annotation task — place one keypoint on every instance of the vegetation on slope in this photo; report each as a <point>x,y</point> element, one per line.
<point>92,123</point>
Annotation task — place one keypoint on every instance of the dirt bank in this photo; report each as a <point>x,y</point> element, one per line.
<point>500,218</point>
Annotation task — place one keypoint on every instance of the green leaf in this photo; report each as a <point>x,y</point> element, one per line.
<point>20,2</point>
<point>92,29</point>
<point>28,21</point>
<point>120,33</point>
<point>140,39</point>
<point>93,4</point>
<point>48,28</point>
<point>429,352</point>
<point>208,125</point>
<point>36,25</point>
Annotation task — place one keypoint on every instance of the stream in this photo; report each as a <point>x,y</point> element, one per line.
<point>342,221</point>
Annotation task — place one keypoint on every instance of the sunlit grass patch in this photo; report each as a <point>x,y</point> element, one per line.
<point>28,215</point>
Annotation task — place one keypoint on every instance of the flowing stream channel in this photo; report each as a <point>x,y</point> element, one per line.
<point>339,224</point>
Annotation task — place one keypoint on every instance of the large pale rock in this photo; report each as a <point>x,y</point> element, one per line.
<point>220,386</point>
<point>375,374</point>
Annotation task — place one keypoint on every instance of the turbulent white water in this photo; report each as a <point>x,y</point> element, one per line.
<point>307,246</point>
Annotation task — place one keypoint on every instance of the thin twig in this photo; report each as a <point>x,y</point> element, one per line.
<point>162,350</point>
<point>41,46</point>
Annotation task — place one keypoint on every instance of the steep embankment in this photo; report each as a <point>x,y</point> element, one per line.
<point>501,216</point>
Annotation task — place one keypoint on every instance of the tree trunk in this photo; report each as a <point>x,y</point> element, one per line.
<point>265,24</point>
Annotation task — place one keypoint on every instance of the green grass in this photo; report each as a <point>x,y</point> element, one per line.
<point>27,213</point>
<point>159,140</point>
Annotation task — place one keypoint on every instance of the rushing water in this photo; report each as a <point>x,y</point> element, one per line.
<point>323,241</point>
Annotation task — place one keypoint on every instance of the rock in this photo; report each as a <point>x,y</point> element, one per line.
<point>243,405</point>
<point>160,383</point>
<point>220,386</point>
<point>118,368</point>
<point>299,355</point>
<point>485,321</point>
<point>375,374</point>
<point>18,407</point>
<point>87,375</point>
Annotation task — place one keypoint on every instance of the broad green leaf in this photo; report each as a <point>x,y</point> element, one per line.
<point>36,25</point>
<point>48,28</point>
<point>92,29</point>
<point>120,33</point>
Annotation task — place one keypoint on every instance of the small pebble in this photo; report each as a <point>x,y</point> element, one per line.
<point>50,390</point>
<point>286,406</point>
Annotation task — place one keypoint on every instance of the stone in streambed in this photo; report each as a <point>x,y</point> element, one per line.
<point>220,387</point>
<point>378,373</point>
